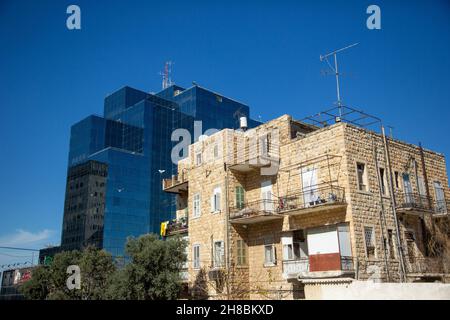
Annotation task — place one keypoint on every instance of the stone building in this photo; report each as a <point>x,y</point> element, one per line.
<point>269,210</point>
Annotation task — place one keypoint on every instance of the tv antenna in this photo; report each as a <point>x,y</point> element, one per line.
<point>336,70</point>
<point>166,79</point>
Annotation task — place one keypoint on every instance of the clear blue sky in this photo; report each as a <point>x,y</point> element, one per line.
<point>265,53</point>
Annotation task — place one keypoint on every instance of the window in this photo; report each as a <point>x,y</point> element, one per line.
<point>198,158</point>
<point>391,244</point>
<point>410,239</point>
<point>239,197</point>
<point>215,200</point>
<point>441,206</point>
<point>294,246</point>
<point>369,237</point>
<point>196,206</point>
<point>241,253</point>
<point>196,258</point>
<point>383,181</point>
<point>219,254</point>
<point>265,145</point>
<point>186,252</point>
<point>216,151</point>
<point>422,188</point>
<point>288,249</point>
<point>397,179</point>
<point>362,178</point>
<point>269,255</point>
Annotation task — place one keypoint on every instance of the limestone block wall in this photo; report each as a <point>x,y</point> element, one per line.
<point>333,152</point>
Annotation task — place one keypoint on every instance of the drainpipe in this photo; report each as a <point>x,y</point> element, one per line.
<point>382,215</point>
<point>227,233</point>
<point>227,212</point>
<point>402,269</point>
<point>427,187</point>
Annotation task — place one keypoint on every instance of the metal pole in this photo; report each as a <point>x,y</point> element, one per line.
<point>382,225</point>
<point>337,82</point>
<point>402,269</point>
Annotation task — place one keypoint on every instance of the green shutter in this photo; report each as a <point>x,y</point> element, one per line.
<point>239,197</point>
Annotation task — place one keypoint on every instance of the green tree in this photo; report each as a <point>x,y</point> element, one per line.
<point>50,282</point>
<point>96,267</point>
<point>37,288</point>
<point>154,270</point>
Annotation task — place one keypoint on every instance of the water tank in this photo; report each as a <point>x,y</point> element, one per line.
<point>243,123</point>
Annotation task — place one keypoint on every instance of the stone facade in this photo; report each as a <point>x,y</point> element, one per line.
<point>262,203</point>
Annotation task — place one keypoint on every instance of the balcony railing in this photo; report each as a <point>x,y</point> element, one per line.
<point>441,207</point>
<point>417,203</point>
<point>409,201</point>
<point>176,184</point>
<point>291,268</point>
<point>255,211</point>
<point>312,198</point>
<point>426,265</point>
<point>184,275</point>
<point>177,226</point>
<point>347,264</point>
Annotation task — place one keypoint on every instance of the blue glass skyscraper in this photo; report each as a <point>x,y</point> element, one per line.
<point>133,140</point>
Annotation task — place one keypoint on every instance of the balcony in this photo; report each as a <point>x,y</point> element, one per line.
<point>255,212</point>
<point>177,184</point>
<point>426,266</point>
<point>291,268</point>
<point>441,208</point>
<point>176,226</point>
<point>313,200</point>
<point>255,156</point>
<point>295,269</point>
<point>413,203</point>
<point>184,275</point>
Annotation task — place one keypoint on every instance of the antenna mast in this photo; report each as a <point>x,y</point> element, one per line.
<point>166,79</point>
<point>336,70</point>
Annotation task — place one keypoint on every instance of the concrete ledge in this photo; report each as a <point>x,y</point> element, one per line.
<point>369,290</point>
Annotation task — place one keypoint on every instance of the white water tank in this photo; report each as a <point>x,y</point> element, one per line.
<point>243,123</point>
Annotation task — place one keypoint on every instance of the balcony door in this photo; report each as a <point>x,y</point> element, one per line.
<point>323,249</point>
<point>309,186</point>
<point>266,196</point>
<point>441,206</point>
<point>408,189</point>
<point>345,247</point>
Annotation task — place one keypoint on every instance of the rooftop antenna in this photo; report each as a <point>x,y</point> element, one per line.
<point>166,79</point>
<point>336,72</point>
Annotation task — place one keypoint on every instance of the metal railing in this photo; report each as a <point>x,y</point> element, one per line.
<point>312,197</point>
<point>177,226</point>
<point>411,200</point>
<point>426,265</point>
<point>307,199</point>
<point>441,206</point>
<point>347,264</point>
<point>184,275</point>
<point>254,208</point>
